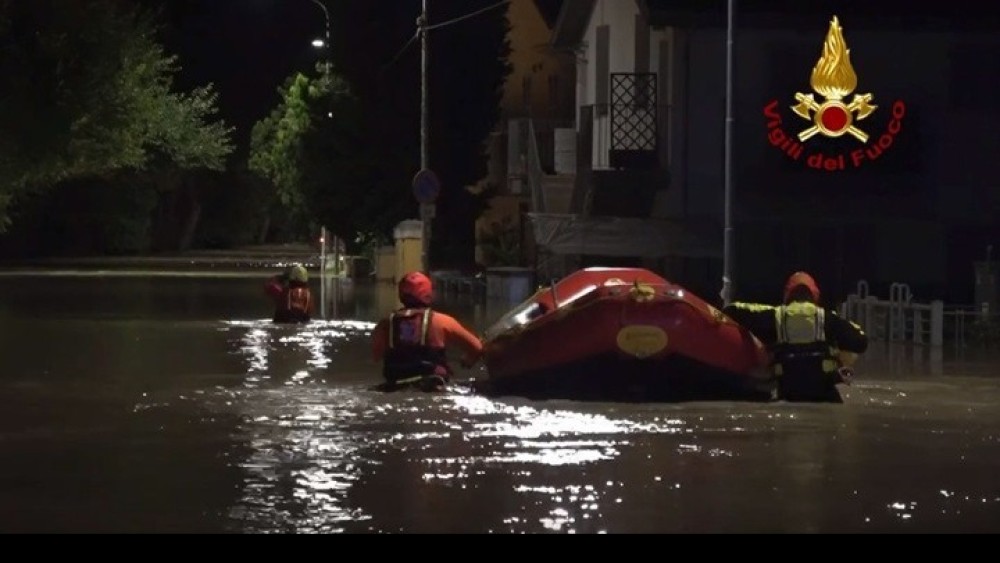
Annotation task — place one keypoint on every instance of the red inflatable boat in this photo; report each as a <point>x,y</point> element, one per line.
<point>622,334</point>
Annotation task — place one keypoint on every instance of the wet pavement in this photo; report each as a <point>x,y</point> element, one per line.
<point>170,404</point>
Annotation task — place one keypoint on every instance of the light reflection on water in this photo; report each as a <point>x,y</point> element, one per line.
<point>319,339</point>
<point>320,452</point>
<point>184,422</point>
<point>305,456</point>
<point>392,463</point>
<point>301,464</point>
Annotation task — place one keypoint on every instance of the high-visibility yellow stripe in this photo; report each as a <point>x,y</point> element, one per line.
<point>753,307</point>
<point>424,325</point>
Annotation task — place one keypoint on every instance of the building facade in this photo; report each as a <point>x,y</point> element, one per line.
<point>541,88</point>
<point>898,183</point>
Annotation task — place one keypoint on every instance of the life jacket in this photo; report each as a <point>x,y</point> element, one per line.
<point>299,300</point>
<point>409,354</point>
<point>295,305</point>
<point>801,339</point>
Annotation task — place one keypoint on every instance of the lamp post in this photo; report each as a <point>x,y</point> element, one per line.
<point>727,248</point>
<point>325,42</point>
<point>324,234</point>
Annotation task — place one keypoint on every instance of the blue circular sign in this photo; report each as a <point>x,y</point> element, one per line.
<point>426,186</point>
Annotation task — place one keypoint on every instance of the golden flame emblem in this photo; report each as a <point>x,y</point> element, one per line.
<point>834,79</point>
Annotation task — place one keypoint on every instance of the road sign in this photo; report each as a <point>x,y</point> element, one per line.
<point>426,186</point>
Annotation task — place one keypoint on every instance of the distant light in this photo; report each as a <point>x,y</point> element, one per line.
<point>318,43</point>
<point>321,240</point>
<point>330,114</point>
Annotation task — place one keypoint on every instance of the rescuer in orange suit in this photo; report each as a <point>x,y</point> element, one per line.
<point>412,342</point>
<point>812,348</point>
<point>291,295</point>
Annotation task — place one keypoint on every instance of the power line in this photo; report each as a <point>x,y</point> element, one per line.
<point>402,50</point>
<point>467,16</point>
<point>442,24</point>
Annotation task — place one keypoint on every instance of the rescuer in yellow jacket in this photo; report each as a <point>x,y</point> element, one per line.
<point>812,348</point>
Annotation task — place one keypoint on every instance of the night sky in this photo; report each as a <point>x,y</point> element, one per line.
<point>248,47</point>
<point>245,47</point>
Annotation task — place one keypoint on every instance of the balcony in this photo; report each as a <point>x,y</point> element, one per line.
<point>634,126</point>
<point>632,133</point>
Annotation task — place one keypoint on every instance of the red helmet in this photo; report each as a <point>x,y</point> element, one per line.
<point>416,290</point>
<point>802,279</point>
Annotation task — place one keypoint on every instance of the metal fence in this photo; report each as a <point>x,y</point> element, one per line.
<point>900,319</point>
<point>897,319</point>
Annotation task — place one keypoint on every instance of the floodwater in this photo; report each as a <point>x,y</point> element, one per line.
<point>169,404</point>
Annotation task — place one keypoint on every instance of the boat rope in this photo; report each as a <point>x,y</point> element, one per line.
<point>642,292</point>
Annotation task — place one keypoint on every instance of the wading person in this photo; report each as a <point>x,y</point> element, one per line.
<point>291,295</point>
<point>412,342</point>
<point>812,348</point>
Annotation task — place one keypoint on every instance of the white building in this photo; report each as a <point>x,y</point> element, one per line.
<point>623,210</point>
<point>920,213</point>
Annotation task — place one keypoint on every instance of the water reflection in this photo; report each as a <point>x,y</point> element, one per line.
<point>320,451</point>
<point>349,459</point>
<point>302,461</point>
<point>303,350</point>
<point>352,299</point>
<point>158,416</point>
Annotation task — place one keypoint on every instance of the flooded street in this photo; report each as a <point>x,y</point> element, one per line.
<point>171,404</point>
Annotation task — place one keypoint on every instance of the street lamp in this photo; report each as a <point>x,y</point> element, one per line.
<point>325,44</point>
<point>321,43</point>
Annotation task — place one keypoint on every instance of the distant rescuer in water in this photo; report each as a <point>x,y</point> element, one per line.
<point>812,348</point>
<point>411,343</point>
<point>292,297</point>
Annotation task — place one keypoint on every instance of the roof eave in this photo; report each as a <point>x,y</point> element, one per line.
<point>571,25</point>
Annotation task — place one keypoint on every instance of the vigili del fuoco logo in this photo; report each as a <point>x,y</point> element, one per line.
<point>832,115</point>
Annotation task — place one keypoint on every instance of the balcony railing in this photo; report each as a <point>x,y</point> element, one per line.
<point>634,125</point>
<point>627,144</point>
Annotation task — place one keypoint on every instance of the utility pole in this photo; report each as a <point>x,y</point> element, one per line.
<point>426,209</point>
<point>727,249</point>
<point>322,273</point>
<point>426,184</point>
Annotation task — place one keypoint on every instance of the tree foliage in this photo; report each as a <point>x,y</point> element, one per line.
<point>87,91</point>
<point>346,159</point>
<point>278,142</point>
<point>314,150</point>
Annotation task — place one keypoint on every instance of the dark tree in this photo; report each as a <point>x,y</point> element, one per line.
<point>88,92</point>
